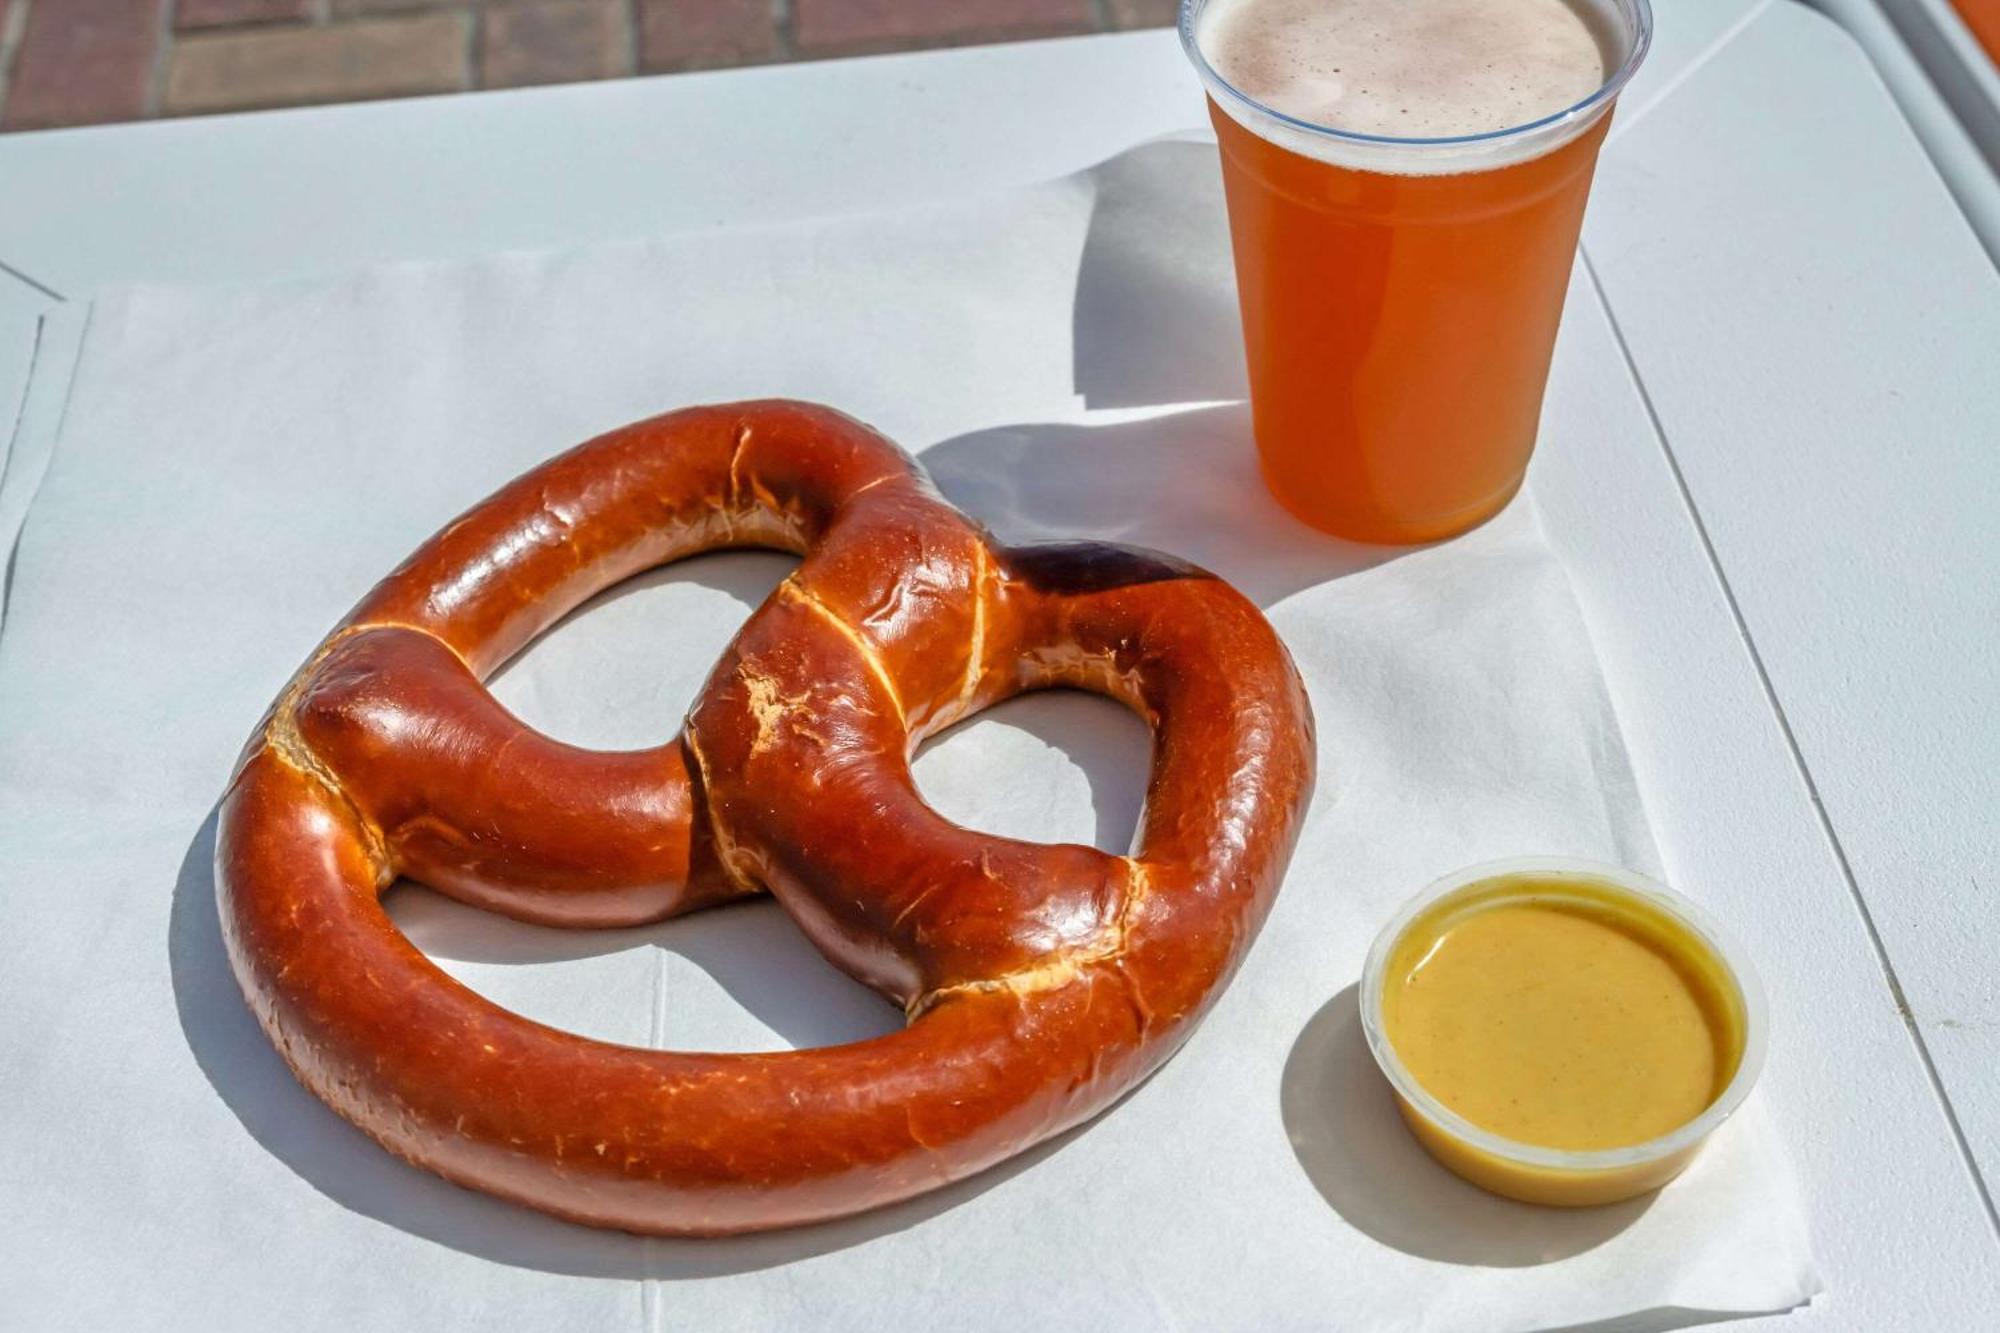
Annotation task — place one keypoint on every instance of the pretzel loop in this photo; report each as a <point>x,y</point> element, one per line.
<point>1041,981</point>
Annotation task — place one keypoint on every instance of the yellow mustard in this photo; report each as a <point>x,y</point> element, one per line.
<point>1567,1017</point>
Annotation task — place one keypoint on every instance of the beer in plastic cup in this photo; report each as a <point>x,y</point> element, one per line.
<point>1406,181</point>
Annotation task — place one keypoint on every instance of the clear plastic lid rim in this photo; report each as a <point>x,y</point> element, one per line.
<point>1419,157</point>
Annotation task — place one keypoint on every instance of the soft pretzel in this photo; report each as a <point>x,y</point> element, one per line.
<point>1041,981</point>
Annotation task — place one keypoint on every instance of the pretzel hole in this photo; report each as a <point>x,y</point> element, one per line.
<point>620,671</point>
<point>1058,765</point>
<point>735,978</point>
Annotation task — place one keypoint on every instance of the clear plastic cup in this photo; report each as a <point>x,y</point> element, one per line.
<point>1400,296</point>
<point>1556,1176</point>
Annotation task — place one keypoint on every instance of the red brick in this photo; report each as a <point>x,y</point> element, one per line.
<point>855,25</point>
<point>1134,13</point>
<point>704,34</point>
<point>554,41</point>
<point>190,14</point>
<point>83,62</point>
<point>344,8</point>
<point>238,69</point>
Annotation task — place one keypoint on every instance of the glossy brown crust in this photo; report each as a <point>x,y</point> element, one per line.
<point>1042,981</point>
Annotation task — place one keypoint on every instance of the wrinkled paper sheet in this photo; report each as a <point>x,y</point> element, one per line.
<point>232,468</point>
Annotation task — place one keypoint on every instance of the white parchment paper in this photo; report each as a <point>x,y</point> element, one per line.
<point>232,468</point>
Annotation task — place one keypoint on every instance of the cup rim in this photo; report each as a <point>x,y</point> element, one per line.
<point>1735,964</point>
<point>1613,84</point>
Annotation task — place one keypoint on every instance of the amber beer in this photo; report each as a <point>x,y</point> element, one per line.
<point>1406,181</point>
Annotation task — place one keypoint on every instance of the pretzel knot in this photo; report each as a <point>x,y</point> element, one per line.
<point>1041,981</point>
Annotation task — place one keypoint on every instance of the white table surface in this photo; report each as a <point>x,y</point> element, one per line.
<point>1788,560</point>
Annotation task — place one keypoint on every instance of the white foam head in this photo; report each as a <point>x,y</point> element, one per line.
<point>1416,86</point>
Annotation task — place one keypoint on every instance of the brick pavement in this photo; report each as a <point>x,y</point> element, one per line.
<point>86,62</point>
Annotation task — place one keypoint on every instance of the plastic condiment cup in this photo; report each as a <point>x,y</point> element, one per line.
<point>1563,1177</point>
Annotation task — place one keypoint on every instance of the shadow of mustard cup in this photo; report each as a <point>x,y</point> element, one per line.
<point>1710,964</point>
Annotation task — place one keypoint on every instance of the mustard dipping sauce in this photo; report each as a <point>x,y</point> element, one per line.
<point>1564,1013</point>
